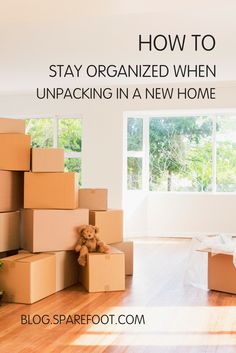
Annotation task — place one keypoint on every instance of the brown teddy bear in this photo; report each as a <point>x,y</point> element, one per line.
<point>89,242</point>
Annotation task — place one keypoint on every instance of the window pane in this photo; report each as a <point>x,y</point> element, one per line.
<point>134,173</point>
<point>180,154</point>
<point>226,154</point>
<point>73,165</point>
<point>41,131</point>
<point>69,134</point>
<point>135,134</point>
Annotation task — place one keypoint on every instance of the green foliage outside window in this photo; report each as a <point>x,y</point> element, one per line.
<point>175,145</point>
<point>69,134</point>
<point>41,131</point>
<point>73,165</point>
<point>181,154</point>
<point>135,134</point>
<point>134,173</point>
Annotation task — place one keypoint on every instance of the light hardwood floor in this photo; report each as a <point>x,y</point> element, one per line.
<point>179,318</point>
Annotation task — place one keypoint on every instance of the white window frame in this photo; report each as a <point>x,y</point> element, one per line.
<point>56,118</point>
<point>144,154</point>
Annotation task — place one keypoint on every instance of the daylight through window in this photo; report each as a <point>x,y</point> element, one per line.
<point>183,153</point>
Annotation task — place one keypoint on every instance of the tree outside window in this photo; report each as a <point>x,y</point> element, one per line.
<point>185,153</point>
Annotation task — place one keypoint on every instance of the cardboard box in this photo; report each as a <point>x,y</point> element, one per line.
<point>127,248</point>
<point>51,190</point>
<point>47,160</point>
<point>51,230</point>
<point>67,269</point>
<point>9,231</point>
<point>221,273</point>
<point>15,152</point>
<point>11,190</point>
<point>12,126</point>
<point>27,278</point>
<point>110,224</point>
<point>93,199</point>
<point>104,272</point>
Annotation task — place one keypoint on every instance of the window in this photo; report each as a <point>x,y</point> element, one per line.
<point>226,154</point>
<point>135,153</point>
<point>182,153</point>
<point>59,132</point>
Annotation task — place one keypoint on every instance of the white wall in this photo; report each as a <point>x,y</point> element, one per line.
<point>190,214</point>
<point>179,214</point>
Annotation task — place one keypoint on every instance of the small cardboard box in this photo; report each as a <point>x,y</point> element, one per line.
<point>51,230</point>
<point>93,199</point>
<point>110,224</point>
<point>51,190</point>
<point>47,160</point>
<point>104,272</point>
<point>221,273</point>
<point>11,190</point>
<point>12,126</point>
<point>67,269</point>
<point>27,278</point>
<point>9,231</point>
<point>127,248</point>
<point>15,152</point>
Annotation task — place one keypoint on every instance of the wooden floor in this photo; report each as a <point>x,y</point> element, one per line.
<point>179,318</point>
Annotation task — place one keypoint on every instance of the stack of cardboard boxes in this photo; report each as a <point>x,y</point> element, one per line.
<point>14,160</point>
<point>49,231</point>
<point>50,219</point>
<point>105,272</point>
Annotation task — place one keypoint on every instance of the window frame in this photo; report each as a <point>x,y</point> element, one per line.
<point>56,119</point>
<point>144,154</point>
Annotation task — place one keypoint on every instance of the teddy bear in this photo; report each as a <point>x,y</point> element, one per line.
<point>89,242</point>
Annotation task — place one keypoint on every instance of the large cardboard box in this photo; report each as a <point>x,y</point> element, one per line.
<point>9,231</point>
<point>93,199</point>
<point>221,273</point>
<point>47,160</point>
<point>110,224</point>
<point>51,230</point>
<point>67,269</point>
<point>127,247</point>
<point>14,152</point>
<point>12,126</point>
<point>27,278</point>
<point>51,190</point>
<point>11,190</point>
<point>104,272</point>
